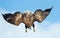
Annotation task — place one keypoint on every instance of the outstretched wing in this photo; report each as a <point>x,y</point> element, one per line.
<point>8,17</point>
<point>15,18</point>
<point>41,15</point>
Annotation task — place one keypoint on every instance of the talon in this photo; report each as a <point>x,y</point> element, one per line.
<point>25,30</point>
<point>30,28</point>
<point>34,30</point>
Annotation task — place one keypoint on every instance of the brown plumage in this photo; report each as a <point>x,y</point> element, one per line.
<point>18,18</point>
<point>15,18</point>
<point>27,18</point>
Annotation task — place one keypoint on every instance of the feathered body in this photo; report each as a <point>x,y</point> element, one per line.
<point>27,18</point>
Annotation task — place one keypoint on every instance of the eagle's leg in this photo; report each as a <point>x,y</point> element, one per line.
<point>30,28</point>
<point>33,27</point>
<point>25,28</point>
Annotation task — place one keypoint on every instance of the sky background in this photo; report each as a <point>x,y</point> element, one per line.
<point>49,28</point>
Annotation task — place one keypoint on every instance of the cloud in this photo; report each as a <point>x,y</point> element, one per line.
<point>19,32</point>
<point>4,11</point>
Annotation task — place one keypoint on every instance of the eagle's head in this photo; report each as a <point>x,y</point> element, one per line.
<point>28,13</point>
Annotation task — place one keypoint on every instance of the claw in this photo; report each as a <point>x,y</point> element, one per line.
<point>26,30</point>
<point>30,28</point>
<point>34,30</point>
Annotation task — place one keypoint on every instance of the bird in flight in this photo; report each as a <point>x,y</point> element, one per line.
<point>27,18</point>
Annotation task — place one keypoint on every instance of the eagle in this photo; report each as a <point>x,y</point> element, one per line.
<point>28,18</point>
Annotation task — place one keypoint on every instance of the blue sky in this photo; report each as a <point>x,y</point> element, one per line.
<point>49,28</point>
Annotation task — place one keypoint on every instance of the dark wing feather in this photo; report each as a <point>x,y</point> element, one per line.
<point>41,15</point>
<point>11,18</point>
<point>47,11</point>
<point>8,17</point>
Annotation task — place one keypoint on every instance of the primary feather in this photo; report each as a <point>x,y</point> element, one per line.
<point>15,18</point>
<point>41,15</point>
